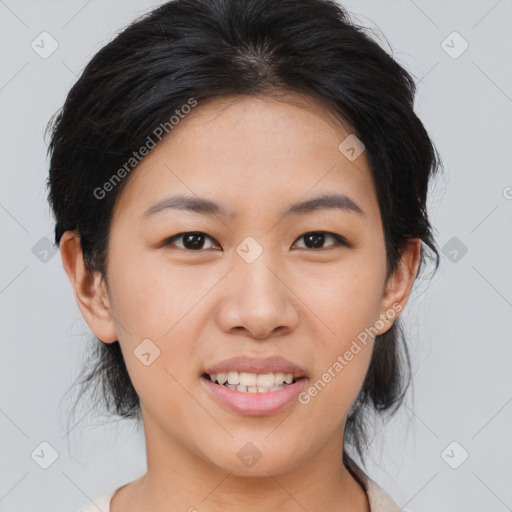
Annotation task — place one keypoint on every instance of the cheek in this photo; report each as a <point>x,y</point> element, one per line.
<point>347,300</point>
<point>348,305</point>
<point>148,306</point>
<point>149,299</point>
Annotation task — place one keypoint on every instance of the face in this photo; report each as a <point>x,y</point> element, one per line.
<point>257,279</point>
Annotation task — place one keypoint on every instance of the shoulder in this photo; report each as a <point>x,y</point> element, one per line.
<point>379,500</point>
<point>100,504</point>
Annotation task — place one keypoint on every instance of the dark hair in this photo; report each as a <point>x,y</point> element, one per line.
<point>203,49</point>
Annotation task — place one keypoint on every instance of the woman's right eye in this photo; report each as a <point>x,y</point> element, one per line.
<point>191,240</point>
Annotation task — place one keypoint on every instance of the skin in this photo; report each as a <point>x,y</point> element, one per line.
<point>256,155</point>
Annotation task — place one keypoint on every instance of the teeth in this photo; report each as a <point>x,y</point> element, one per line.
<point>266,379</point>
<point>254,389</point>
<point>250,380</point>
<point>279,378</point>
<point>233,378</point>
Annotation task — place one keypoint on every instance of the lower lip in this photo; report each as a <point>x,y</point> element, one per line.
<point>255,403</point>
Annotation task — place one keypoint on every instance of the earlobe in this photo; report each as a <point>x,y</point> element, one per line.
<point>399,285</point>
<point>89,289</point>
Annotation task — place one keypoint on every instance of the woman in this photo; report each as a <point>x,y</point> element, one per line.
<point>240,189</point>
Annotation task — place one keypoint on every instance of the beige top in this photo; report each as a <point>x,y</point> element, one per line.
<point>379,500</point>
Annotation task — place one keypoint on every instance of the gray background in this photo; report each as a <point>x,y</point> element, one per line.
<point>458,323</point>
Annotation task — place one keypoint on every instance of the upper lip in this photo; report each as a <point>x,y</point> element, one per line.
<point>257,365</point>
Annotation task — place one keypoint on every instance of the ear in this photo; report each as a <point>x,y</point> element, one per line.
<point>89,288</point>
<point>399,285</point>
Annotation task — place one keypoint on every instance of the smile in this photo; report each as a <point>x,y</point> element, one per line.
<point>246,382</point>
<point>253,400</point>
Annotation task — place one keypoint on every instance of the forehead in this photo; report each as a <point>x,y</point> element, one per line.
<point>252,153</point>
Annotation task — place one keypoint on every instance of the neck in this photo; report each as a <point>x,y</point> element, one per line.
<point>177,479</point>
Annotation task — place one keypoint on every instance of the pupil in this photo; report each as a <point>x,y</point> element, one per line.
<point>317,239</point>
<point>195,243</point>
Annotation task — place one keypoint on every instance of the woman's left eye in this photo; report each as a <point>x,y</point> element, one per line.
<point>316,238</point>
<point>195,240</point>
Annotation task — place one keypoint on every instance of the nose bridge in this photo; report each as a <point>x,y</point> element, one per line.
<point>255,271</point>
<point>257,298</point>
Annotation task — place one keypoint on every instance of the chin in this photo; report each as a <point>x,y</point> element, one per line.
<point>250,461</point>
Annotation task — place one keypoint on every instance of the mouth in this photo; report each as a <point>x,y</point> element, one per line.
<point>253,400</point>
<point>253,386</point>
<point>246,382</point>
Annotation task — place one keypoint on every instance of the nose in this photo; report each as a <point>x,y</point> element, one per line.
<point>257,301</point>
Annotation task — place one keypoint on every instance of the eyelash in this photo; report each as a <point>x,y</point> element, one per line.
<point>340,241</point>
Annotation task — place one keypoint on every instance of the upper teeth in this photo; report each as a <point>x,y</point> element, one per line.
<point>252,379</point>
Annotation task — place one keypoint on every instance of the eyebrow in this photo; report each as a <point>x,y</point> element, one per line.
<point>206,206</point>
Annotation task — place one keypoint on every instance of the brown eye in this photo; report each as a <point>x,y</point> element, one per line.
<point>316,239</point>
<point>195,241</point>
<point>191,240</point>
